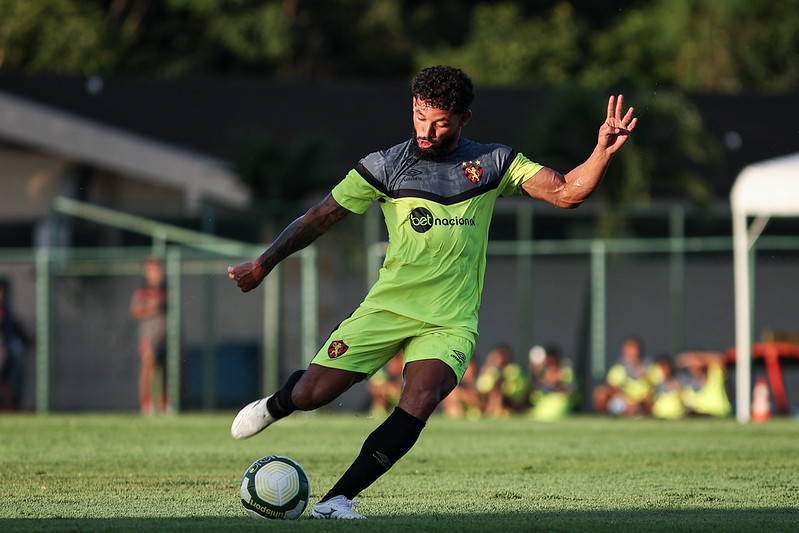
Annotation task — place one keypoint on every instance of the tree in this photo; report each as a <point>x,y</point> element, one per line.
<point>280,174</point>
<point>691,45</point>
<point>55,36</point>
<point>700,45</point>
<point>503,48</point>
<point>670,153</point>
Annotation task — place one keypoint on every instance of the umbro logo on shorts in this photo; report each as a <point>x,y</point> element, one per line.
<point>460,357</point>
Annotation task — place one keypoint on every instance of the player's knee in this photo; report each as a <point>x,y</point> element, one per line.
<point>319,386</point>
<point>306,398</point>
<point>420,403</point>
<point>310,394</point>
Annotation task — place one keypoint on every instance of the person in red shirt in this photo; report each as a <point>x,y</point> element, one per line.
<point>148,307</point>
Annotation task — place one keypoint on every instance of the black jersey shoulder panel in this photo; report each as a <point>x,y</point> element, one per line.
<point>473,169</point>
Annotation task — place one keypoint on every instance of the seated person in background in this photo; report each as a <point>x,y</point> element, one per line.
<point>385,386</point>
<point>464,401</point>
<point>497,382</point>
<point>551,390</point>
<point>706,392</point>
<point>626,390</point>
<point>667,394</point>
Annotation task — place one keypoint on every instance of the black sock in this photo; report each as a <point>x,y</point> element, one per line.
<point>280,404</point>
<point>385,446</point>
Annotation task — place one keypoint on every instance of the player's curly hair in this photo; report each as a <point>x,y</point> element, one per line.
<point>444,87</point>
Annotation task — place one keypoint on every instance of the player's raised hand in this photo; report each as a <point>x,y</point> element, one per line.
<point>616,129</point>
<point>246,275</point>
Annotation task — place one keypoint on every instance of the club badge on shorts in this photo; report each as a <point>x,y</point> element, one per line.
<point>336,349</point>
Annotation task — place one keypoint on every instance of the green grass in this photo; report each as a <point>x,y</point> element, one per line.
<point>122,472</point>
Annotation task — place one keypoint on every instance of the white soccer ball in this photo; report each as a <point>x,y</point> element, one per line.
<point>275,487</point>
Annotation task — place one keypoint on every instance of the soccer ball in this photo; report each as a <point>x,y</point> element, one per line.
<point>275,487</point>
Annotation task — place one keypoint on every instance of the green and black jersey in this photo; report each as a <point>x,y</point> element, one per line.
<point>437,214</point>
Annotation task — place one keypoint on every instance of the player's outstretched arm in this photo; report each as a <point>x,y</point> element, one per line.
<point>297,235</point>
<point>573,188</point>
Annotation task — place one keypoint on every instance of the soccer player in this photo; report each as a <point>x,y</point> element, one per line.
<point>437,192</point>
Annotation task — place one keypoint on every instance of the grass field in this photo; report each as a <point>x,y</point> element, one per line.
<point>123,472</point>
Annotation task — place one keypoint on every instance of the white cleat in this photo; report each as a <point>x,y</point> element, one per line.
<point>251,420</point>
<point>336,508</point>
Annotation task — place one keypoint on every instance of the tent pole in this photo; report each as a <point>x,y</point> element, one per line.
<point>743,318</point>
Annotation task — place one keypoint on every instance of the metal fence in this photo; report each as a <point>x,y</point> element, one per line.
<point>82,295</point>
<point>186,254</point>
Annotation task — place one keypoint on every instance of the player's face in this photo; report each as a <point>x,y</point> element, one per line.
<point>154,273</point>
<point>631,351</point>
<point>436,131</point>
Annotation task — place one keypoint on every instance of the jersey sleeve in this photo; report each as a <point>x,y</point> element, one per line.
<point>520,170</point>
<point>355,193</point>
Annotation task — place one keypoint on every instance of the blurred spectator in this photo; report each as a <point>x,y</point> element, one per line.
<point>706,390</point>
<point>464,401</point>
<point>385,386</point>
<point>13,345</point>
<point>489,382</point>
<point>626,390</point>
<point>500,383</point>
<point>551,390</point>
<point>667,393</point>
<point>148,307</point>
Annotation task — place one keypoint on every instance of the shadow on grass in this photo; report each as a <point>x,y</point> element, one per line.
<point>682,520</point>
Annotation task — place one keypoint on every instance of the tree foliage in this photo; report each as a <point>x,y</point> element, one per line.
<point>670,154</point>
<point>691,45</point>
<point>579,47</point>
<point>504,48</point>
<point>700,45</point>
<point>55,36</point>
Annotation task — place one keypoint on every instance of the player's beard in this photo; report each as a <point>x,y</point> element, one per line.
<point>442,148</point>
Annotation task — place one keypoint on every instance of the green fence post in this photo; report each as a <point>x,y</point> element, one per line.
<point>310,304</point>
<point>173,316</point>
<point>44,281</point>
<point>677,278</point>
<point>271,342</point>
<point>598,311</point>
<point>209,321</point>
<point>524,272</point>
<point>209,346</point>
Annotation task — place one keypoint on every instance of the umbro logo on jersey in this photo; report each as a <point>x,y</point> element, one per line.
<point>412,174</point>
<point>422,220</point>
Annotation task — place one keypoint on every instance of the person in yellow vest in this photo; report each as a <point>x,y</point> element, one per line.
<point>627,389</point>
<point>667,391</point>
<point>491,385</point>
<point>551,393</point>
<point>706,392</point>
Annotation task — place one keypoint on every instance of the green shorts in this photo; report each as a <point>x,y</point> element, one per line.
<point>369,338</point>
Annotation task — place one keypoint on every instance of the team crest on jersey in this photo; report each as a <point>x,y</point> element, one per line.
<point>336,349</point>
<point>473,170</point>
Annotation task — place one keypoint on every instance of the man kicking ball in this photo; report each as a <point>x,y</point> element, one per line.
<point>437,191</point>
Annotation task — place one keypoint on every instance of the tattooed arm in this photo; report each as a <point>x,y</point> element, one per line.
<point>295,237</point>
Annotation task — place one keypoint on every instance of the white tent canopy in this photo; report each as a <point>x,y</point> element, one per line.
<point>762,190</point>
